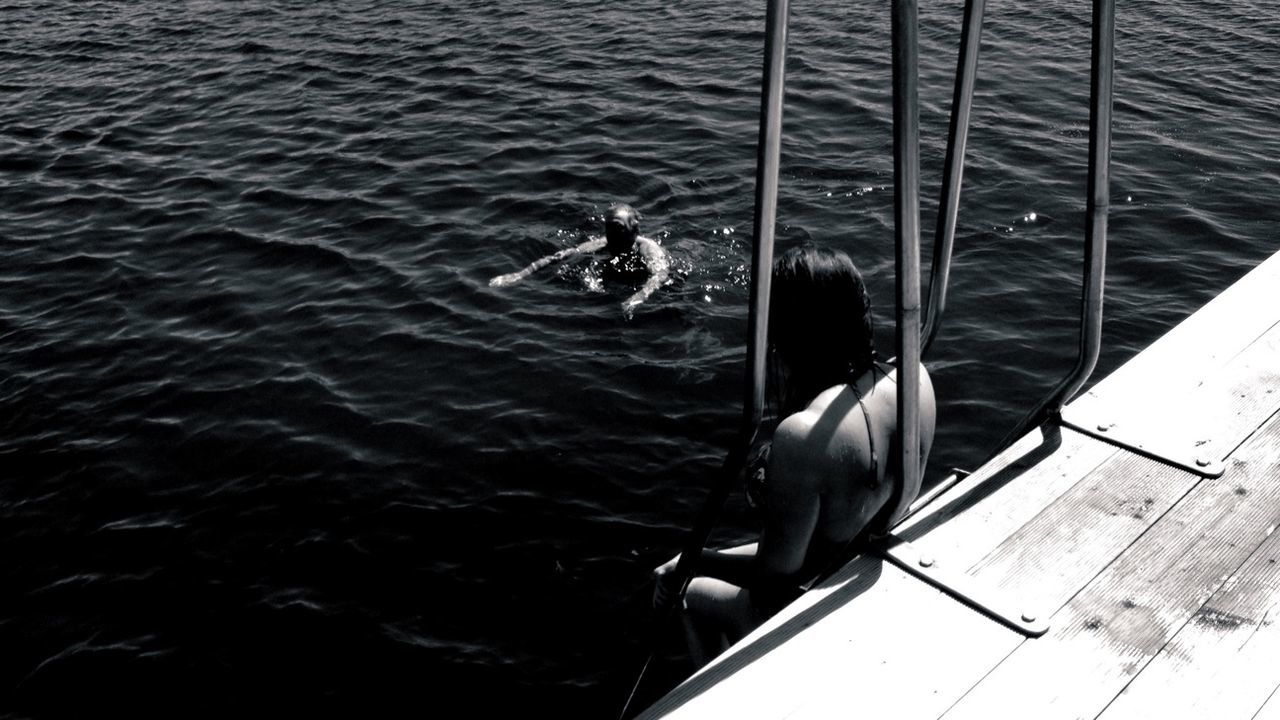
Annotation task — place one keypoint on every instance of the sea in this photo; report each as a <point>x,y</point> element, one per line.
<point>270,444</point>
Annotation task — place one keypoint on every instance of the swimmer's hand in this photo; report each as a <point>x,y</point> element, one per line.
<point>664,582</point>
<point>629,307</point>
<point>505,280</point>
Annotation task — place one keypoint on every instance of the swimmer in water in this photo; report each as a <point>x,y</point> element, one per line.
<point>625,244</point>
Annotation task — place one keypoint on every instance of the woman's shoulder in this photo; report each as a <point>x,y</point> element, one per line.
<point>813,447</point>
<point>796,458</point>
<point>827,422</point>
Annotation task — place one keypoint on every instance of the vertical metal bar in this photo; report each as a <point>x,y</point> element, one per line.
<point>768,151</point>
<point>953,169</point>
<point>1095,238</point>
<point>1102,71</point>
<point>906,210</point>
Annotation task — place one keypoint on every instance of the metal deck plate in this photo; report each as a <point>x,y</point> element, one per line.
<point>993,602</point>
<point>1159,441</point>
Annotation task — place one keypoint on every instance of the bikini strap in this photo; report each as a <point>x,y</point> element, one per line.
<point>871,437</point>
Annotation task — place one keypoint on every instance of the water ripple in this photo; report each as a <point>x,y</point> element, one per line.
<point>265,418</point>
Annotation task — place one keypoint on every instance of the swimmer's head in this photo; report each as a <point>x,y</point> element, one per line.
<point>621,226</point>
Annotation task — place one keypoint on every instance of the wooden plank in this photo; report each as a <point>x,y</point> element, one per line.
<point>1167,401</point>
<point>957,654</point>
<point>1125,494</point>
<point>1054,556</point>
<point>1200,424</point>
<point>1107,633</point>
<point>973,518</point>
<point>1196,347</point>
<point>841,642</point>
<point>1251,385</point>
<point>779,654</point>
<point>916,660</point>
<point>1221,664</point>
<point>906,630</point>
<point>1270,711</point>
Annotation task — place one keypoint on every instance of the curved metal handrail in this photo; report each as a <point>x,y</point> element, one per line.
<point>1102,70</point>
<point>953,170</point>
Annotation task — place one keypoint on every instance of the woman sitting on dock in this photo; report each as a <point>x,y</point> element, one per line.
<point>829,476</point>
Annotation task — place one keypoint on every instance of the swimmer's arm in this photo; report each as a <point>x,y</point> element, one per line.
<point>656,260</point>
<point>515,277</point>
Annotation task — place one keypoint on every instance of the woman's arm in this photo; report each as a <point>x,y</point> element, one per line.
<point>515,277</point>
<point>731,565</point>
<point>797,459</point>
<point>791,513</point>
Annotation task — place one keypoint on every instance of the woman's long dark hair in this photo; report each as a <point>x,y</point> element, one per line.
<point>820,322</point>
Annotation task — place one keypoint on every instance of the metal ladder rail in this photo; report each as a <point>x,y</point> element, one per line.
<point>1102,70</point>
<point>906,222</point>
<point>953,170</point>
<point>959,585</point>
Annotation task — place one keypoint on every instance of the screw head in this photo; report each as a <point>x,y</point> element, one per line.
<point>1203,462</point>
<point>926,562</point>
<point>1028,618</point>
<point>1103,428</point>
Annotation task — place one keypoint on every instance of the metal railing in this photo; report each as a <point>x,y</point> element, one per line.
<point>953,169</point>
<point>906,221</point>
<point>1102,65</point>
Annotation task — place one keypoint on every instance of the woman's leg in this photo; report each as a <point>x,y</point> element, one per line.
<point>717,614</point>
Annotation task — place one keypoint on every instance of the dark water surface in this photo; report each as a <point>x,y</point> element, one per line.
<point>269,441</point>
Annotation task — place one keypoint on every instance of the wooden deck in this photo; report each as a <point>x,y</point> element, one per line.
<point>1161,586</point>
